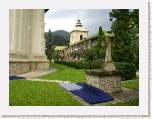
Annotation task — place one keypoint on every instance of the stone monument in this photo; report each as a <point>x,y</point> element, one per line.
<point>26,41</point>
<point>107,78</point>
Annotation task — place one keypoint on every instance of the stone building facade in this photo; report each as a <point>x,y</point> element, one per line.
<point>81,46</point>
<point>78,34</point>
<point>26,41</point>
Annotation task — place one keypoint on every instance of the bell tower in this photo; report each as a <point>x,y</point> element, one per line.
<point>78,34</point>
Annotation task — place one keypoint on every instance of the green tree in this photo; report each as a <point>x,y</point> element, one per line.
<point>49,45</point>
<point>125,26</point>
<point>100,49</point>
<point>90,54</point>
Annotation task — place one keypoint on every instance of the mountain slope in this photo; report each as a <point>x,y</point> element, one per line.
<point>61,37</point>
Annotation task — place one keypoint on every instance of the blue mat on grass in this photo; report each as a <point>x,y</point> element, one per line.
<point>15,77</point>
<point>88,93</point>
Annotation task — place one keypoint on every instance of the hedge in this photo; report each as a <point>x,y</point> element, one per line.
<point>128,70</point>
<point>75,64</point>
<point>95,64</point>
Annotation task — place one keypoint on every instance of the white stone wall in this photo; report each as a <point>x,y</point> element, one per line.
<point>16,32</point>
<point>38,43</point>
<point>75,36</point>
<point>26,32</point>
<point>26,38</point>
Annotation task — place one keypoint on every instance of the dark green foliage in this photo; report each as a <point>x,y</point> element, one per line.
<point>77,54</point>
<point>75,64</point>
<point>128,70</point>
<point>98,51</point>
<point>90,54</point>
<point>95,64</point>
<point>49,45</point>
<point>61,38</point>
<point>125,26</point>
<point>100,46</point>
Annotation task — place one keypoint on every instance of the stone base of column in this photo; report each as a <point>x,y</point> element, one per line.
<point>20,66</point>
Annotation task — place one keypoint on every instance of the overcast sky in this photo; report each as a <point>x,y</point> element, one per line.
<point>65,19</point>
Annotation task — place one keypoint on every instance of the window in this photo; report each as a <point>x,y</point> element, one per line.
<point>81,37</point>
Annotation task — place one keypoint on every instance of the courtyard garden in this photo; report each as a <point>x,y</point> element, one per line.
<point>29,93</point>
<point>103,74</point>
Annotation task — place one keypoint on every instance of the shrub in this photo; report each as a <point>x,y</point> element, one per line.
<point>128,70</point>
<point>87,65</point>
<point>75,64</point>
<point>97,64</point>
<point>90,54</point>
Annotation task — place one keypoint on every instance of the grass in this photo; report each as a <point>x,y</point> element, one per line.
<point>60,47</point>
<point>28,93</point>
<point>65,73</point>
<point>131,84</point>
<point>134,102</point>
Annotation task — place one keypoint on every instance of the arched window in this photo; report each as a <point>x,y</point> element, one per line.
<point>81,37</point>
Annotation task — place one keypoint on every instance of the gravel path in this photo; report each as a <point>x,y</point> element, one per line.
<point>31,75</point>
<point>42,80</point>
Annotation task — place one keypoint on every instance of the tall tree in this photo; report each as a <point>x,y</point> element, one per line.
<point>49,50</point>
<point>98,51</point>
<point>125,26</point>
<point>100,43</point>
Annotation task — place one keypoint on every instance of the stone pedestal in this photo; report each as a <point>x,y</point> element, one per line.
<point>107,78</point>
<point>20,66</point>
<point>108,81</point>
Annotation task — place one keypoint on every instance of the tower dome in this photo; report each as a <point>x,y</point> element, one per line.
<point>78,24</point>
<point>78,33</point>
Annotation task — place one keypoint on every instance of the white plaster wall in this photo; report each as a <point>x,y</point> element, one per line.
<point>17,31</point>
<point>26,32</point>
<point>75,36</point>
<point>38,43</point>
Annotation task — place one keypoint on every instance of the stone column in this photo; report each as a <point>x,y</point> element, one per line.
<point>108,65</point>
<point>38,41</point>
<point>38,60</point>
<point>16,33</point>
<point>18,62</point>
<point>26,41</point>
<point>108,57</point>
<point>12,17</point>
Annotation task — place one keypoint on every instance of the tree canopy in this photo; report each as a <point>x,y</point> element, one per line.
<point>125,26</point>
<point>49,45</point>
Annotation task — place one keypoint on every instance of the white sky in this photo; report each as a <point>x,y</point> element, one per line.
<point>65,19</point>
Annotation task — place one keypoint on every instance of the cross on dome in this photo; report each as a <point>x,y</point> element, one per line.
<point>78,24</point>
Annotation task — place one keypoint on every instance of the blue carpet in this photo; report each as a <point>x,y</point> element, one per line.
<point>89,93</point>
<point>15,77</point>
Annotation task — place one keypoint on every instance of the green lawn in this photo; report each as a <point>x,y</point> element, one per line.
<point>28,93</point>
<point>65,73</point>
<point>131,84</point>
